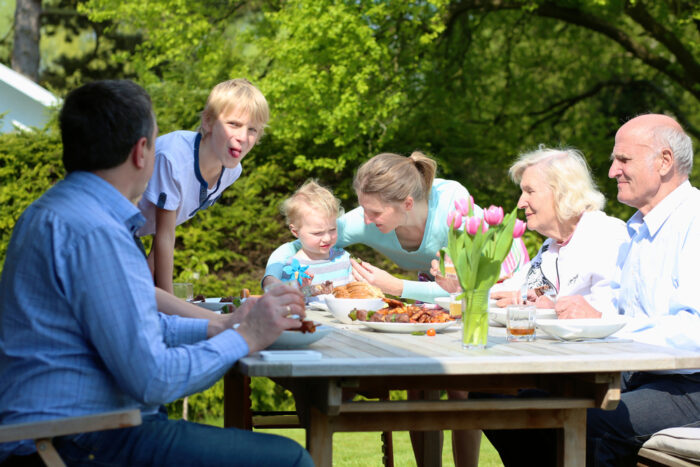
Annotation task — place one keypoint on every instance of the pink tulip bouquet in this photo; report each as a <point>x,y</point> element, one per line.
<point>477,251</point>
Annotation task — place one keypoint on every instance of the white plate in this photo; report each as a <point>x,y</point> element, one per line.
<point>341,307</point>
<point>499,317</point>
<point>406,328</point>
<point>213,304</point>
<point>444,302</point>
<point>317,302</point>
<point>581,328</point>
<point>299,340</point>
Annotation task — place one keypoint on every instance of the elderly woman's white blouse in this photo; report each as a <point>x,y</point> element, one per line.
<point>583,266</point>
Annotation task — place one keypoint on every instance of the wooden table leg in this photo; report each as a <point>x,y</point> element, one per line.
<point>237,401</point>
<point>572,445</point>
<point>319,438</point>
<point>432,440</point>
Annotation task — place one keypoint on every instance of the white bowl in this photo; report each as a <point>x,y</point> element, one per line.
<point>443,302</point>
<point>341,307</point>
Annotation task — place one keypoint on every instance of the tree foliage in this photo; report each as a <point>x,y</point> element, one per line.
<point>470,82</point>
<point>90,46</point>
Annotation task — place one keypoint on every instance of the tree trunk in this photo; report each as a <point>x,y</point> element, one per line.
<point>25,51</point>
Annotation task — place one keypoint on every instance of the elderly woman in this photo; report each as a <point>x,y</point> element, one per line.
<point>578,258</point>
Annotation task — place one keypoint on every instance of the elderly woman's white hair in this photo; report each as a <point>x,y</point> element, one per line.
<point>568,176</point>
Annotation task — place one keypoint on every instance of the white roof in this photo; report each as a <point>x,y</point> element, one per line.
<point>27,86</point>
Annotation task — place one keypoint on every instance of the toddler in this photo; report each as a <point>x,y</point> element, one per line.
<point>311,214</point>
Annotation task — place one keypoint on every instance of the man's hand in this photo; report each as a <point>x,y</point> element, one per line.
<point>269,316</point>
<point>448,282</point>
<point>575,306</point>
<point>378,277</point>
<point>544,302</point>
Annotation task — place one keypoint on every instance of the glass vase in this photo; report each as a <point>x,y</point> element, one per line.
<point>475,319</point>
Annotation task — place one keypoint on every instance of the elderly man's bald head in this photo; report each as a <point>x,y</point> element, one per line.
<point>649,121</point>
<point>657,131</point>
<point>652,156</point>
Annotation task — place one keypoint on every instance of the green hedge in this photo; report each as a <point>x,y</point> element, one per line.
<point>29,164</point>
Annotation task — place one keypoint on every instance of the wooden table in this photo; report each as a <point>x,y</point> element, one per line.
<point>577,375</point>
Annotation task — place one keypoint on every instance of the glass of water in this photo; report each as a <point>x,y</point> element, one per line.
<point>183,290</point>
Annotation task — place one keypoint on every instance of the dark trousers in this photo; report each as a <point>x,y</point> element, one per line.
<point>648,403</point>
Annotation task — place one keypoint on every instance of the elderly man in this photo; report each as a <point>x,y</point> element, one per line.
<point>79,328</point>
<point>658,291</point>
<point>651,162</point>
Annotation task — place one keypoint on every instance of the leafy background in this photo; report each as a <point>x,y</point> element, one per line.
<point>471,82</point>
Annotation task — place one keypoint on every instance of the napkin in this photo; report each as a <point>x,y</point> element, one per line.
<point>290,355</point>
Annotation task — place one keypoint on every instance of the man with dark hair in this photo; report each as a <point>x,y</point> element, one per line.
<point>80,331</point>
<point>102,123</point>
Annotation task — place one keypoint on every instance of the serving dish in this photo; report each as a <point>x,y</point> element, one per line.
<point>341,307</point>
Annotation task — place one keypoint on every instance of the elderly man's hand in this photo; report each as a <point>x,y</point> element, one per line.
<point>575,306</point>
<point>543,302</point>
<point>363,271</point>
<point>269,316</point>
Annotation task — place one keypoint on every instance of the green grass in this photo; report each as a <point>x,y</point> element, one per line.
<point>365,449</point>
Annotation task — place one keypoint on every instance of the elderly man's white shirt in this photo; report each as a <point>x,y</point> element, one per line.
<point>660,272</point>
<point>586,265</point>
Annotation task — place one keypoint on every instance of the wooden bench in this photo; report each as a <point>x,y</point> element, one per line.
<point>42,432</point>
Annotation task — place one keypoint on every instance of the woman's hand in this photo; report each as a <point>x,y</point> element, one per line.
<point>512,297</point>
<point>505,298</point>
<point>363,271</point>
<point>449,282</point>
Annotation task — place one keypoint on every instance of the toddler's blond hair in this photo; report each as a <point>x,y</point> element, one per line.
<point>310,195</point>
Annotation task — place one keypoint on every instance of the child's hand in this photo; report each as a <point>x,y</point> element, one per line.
<point>307,280</point>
